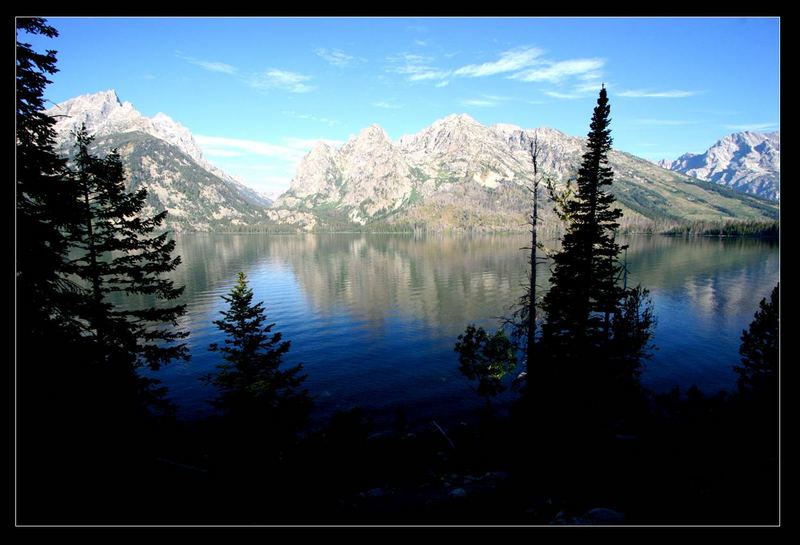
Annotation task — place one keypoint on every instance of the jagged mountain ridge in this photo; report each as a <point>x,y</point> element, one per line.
<point>746,161</point>
<point>161,155</point>
<point>460,173</point>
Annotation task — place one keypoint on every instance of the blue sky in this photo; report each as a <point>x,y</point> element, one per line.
<point>257,92</point>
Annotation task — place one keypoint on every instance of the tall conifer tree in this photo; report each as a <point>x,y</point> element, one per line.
<point>596,331</point>
<point>43,293</point>
<point>584,291</point>
<point>120,251</point>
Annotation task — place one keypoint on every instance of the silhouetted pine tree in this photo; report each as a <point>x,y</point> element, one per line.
<point>585,292</point>
<point>117,251</point>
<point>758,373</point>
<point>596,331</point>
<point>43,293</point>
<point>82,407</point>
<point>253,388</point>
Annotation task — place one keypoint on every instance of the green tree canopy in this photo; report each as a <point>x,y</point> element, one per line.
<point>120,252</point>
<point>253,387</point>
<point>485,358</point>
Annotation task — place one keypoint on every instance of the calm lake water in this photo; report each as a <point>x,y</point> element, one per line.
<point>374,317</point>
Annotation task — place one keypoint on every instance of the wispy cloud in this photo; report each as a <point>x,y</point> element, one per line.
<point>290,150</point>
<point>281,79</point>
<point>149,76</point>
<point>265,166</point>
<point>509,61</point>
<point>443,83</point>
<point>555,72</point>
<point>753,127</point>
<point>486,101</point>
<point>222,152</point>
<point>211,66</point>
<point>422,43</point>
<point>417,67</point>
<point>226,145</point>
<point>336,57</point>
<point>589,87</point>
<point>479,102</point>
<point>564,96</point>
<point>640,93</point>
<point>309,117</point>
<point>387,104</point>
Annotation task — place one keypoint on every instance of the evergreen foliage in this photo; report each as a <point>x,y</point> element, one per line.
<point>596,330</point>
<point>252,385</point>
<point>758,373</point>
<point>85,425</point>
<point>118,251</point>
<point>584,291</point>
<point>41,184</point>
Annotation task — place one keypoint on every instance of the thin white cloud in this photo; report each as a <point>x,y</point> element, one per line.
<point>252,147</point>
<point>418,67</point>
<point>221,152</point>
<point>211,66</point>
<point>336,57</point>
<point>422,43</point>
<point>590,76</point>
<point>753,127</point>
<point>555,72</point>
<point>509,61</point>
<point>309,117</point>
<point>429,74</point>
<point>479,102</point>
<point>291,149</point>
<point>591,87</point>
<point>443,83</point>
<point>387,104</point>
<point>149,76</point>
<point>281,79</point>
<point>640,93</point>
<point>563,96</point>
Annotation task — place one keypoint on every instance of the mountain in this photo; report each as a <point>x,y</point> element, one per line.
<point>458,173</point>
<point>746,161</point>
<point>161,155</point>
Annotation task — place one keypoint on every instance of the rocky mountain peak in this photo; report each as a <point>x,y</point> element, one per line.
<point>320,149</point>
<point>457,119</point>
<point>372,134</point>
<point>162,155</point>
<point>747,161</point>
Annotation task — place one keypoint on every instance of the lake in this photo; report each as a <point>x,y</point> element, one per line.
<point>374,317</point>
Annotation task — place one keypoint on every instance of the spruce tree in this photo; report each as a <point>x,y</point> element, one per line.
<point>758,374</point>
<point>44,295</point>
<point>253,387</point>
<point>120,252</point>
<point>596,332</point>
<point>584,291</point>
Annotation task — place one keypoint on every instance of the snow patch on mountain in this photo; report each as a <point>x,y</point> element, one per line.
<point>746,161</point>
